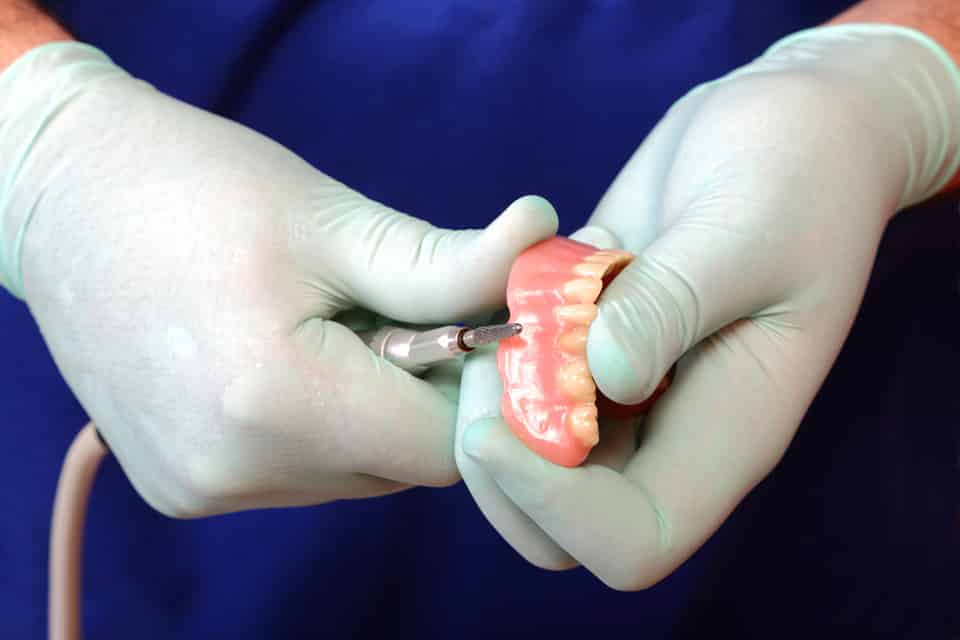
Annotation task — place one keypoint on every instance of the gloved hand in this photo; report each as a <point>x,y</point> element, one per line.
<point>184,271</point>
<point>755,207</point>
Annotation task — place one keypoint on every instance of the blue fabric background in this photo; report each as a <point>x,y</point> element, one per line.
<point>449,110</point>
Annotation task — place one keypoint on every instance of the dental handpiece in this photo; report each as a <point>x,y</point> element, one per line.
<point>417,351</point>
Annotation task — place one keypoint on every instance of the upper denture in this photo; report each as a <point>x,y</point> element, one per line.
<point>550,399</point>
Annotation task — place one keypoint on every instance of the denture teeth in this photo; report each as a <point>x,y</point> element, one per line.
<point>590,269</point>
<point>582,422</point>
<point>617,254</point>
<point>574,341</point>
<point>575,380</point>
<point>580,290</point>
<point>576,313</point>
<point>599,258</point>
<point>549,394</point>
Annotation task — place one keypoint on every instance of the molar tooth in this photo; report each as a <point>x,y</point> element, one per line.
<point>574,378</point>
<point>582,289</point>
<point>590,269</point>
<point>574,341</point>
<point>576,313</point>
<point>582,422</point>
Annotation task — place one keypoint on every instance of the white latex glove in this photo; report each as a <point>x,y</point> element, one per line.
<point>184,269</point>
<point>755,207</point>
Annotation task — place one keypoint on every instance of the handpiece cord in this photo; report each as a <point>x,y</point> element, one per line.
<point>64,616</point>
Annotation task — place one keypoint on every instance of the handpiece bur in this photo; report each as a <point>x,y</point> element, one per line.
<point>480,336</point>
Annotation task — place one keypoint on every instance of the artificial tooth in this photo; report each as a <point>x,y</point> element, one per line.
<point>575,379</point>
<point>574,341</point>
<point>582,421</point>
<point>590,269</point>
<point>576,313</point>
<point>600,258</point>
<point>582,289</point>
<point>617,254</point>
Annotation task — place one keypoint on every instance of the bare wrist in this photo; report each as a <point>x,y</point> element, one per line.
<point>38,93</point>
<point>901,86</point>
<point>24,26</point>
<point>938,19</point>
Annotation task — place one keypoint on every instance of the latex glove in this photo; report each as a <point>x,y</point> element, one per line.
<point>184,270</point>
<point>755,207</point>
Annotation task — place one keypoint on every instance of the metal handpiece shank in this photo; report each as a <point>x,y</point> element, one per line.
<point>416,351</point>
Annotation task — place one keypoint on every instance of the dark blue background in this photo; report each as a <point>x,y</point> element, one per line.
<point>449,110</point>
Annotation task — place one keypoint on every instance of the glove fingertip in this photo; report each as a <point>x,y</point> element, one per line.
<point>478,441</point>
<point>597,236</point>
<point>612,366</point>
<point>527,220</point>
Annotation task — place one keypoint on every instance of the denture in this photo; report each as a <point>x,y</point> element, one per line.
<point>550,400</point>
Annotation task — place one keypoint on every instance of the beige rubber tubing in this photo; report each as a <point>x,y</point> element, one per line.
<point>64,607</point>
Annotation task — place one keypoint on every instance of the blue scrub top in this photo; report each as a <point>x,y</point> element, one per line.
<point>449,110</point>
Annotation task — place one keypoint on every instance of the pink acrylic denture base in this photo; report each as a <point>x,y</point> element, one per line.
<point>549,397</point>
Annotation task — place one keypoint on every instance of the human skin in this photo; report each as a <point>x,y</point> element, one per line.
<point>216,346</point>
<point>939,19</point>
<point>22,27</point>
<point>549,396</point>
<point>922,15</point>
<point>762,157</point>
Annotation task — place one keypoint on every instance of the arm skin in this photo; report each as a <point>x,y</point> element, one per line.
<point>939,19</point>
<point>24,26</point>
